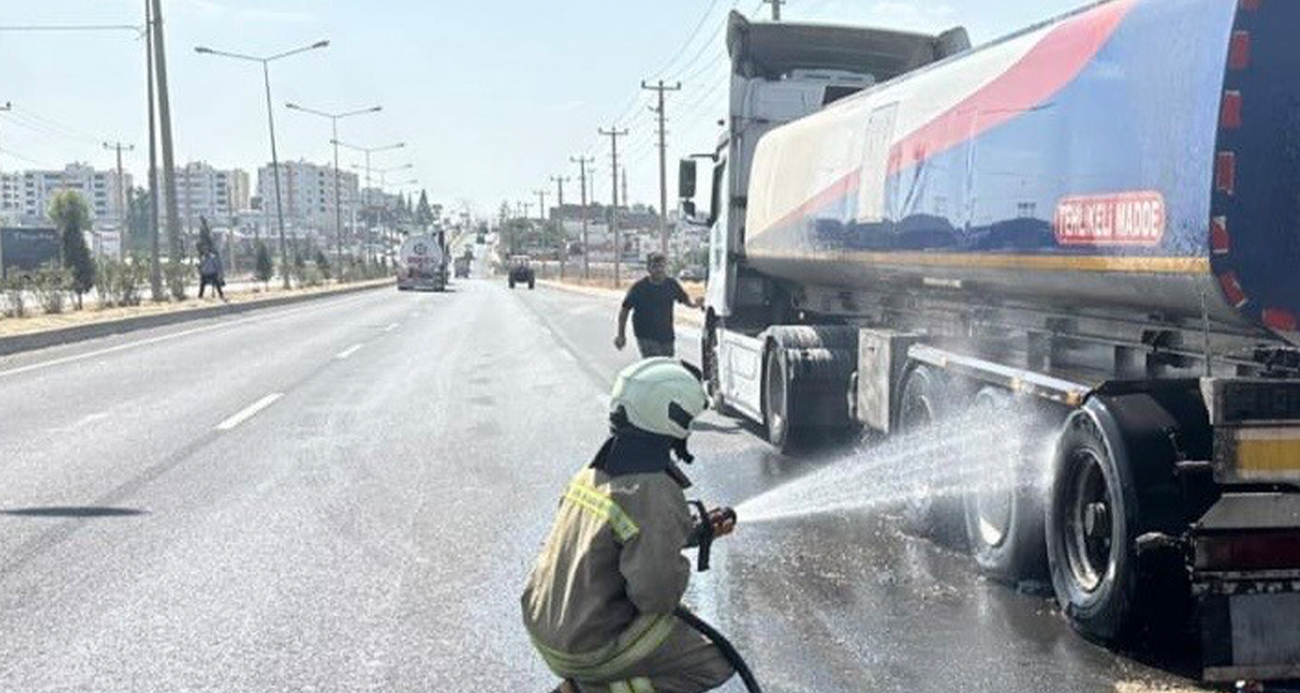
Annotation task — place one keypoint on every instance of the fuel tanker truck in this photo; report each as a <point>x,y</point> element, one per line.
<point>1094,222</point>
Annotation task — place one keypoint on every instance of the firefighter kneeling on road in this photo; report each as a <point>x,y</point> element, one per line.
<point>599,602</point>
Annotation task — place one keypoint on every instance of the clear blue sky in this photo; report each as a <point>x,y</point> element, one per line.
<point>491,96</point>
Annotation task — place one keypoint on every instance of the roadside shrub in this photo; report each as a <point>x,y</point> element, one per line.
<point>106,274</point>
<point>15,293</point>
<point>51,286</point>
<point>263,268</point>
<point>310,275</point>
<point>178,275</point>
<point>118,283</point>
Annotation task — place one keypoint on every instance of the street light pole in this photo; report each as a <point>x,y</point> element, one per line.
<point>368,151</point>
<point>338,205</point>
<point>270,120</point>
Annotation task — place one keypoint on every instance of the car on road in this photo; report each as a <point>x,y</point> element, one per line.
<point>691,274</point>
<point>521,271</point>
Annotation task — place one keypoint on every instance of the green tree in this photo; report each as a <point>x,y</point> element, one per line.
<point>322,264</point>
<point>423,212</point>
<point>71,216</point>
<point>263,268</point>
<point>138,217</point>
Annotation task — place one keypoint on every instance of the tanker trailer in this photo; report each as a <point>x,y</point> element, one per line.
<point>1094,222</point>
<point>422,263</point>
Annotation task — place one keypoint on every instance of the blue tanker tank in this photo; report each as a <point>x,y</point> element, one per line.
<point>1137,155</point>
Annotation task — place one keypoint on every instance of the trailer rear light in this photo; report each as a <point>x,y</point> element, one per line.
<point>1239,51</point>
<point>1253,551</point>
<point>1230,117</point>
<point>1225,173</point>
<point>1280,320</point>
<point>1232,289</point>
<point>1220,241</point>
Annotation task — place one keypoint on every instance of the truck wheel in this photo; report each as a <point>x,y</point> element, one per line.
<point>924,403</point>
<point>712,376</point>
<point>776,399</point>
<point>512,283</point>
<point>532,283</point>
<point>1003,514</point>
<point>1090,531</point>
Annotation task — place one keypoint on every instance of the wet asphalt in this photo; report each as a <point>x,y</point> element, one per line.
<point>346,496</point>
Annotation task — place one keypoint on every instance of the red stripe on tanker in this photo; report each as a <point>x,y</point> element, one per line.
<point>1043,71</point>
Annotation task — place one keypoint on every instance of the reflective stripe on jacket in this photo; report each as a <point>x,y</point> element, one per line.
<point>601,595</point>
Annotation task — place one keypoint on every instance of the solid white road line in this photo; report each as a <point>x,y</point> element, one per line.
<point>248,412</point>
<point>160,338</point>
<point>349,351</point>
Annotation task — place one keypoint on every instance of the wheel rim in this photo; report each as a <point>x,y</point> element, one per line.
<point>714,379</point>
<point>993,516</point>
<point>917,415</point>
<point>1087,519</point>
<point>776,399</point>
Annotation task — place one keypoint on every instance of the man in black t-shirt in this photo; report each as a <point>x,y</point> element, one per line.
<point>650,301</point>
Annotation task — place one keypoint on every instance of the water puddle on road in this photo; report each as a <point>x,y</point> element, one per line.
<point>986,451</point>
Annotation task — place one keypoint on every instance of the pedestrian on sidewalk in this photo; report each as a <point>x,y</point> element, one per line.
<point>650,301</point>
<point>211,274</point>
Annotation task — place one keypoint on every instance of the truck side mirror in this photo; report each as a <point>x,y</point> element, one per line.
<point>686,179</point>
<point>688,209</point>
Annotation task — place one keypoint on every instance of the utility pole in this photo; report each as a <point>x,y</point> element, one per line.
<point>776,8</point>
<point>155,259</point>
<point>121,189</point>
<point>7,107</point>
<point>582,162</point>
<point>613,134</point>
<point>559,220</point>
<point>658,110</point>
<point>541,204</point>
<point>174,248</point>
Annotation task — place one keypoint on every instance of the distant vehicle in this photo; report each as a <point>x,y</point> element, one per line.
<point>463,263</point>
<point>521,271</point>
<point>481,239</point>
<point>422,263</point>
<point>691,274</point>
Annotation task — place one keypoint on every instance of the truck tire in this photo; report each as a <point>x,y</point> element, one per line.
<point>1091,527</point>
<point>1003,516</point>
<point>776,399</point>
<point>709,356</point>
<point>532,283</point>
<point>923,403</point>
<point>511,281</point>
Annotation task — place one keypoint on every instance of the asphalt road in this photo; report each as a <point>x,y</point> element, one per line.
<point>346,496</point>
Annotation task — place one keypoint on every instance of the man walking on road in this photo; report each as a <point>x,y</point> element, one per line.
<point>650,301</point>
<point>210,274</point>
<point>602,599</point>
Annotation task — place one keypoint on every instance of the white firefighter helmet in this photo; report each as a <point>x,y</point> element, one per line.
<point>659,395</point>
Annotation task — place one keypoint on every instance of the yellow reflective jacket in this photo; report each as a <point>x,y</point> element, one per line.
<point>601,595</point>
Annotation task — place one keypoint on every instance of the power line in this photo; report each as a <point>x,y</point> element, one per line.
<point>694,32</point>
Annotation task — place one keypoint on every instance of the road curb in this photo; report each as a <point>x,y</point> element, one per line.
<point>16,344</point>
<point>681,315</point>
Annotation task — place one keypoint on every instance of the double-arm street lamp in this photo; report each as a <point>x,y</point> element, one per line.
<point>334,123</point>
<point>270,121</point>
<point>368,151</point>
